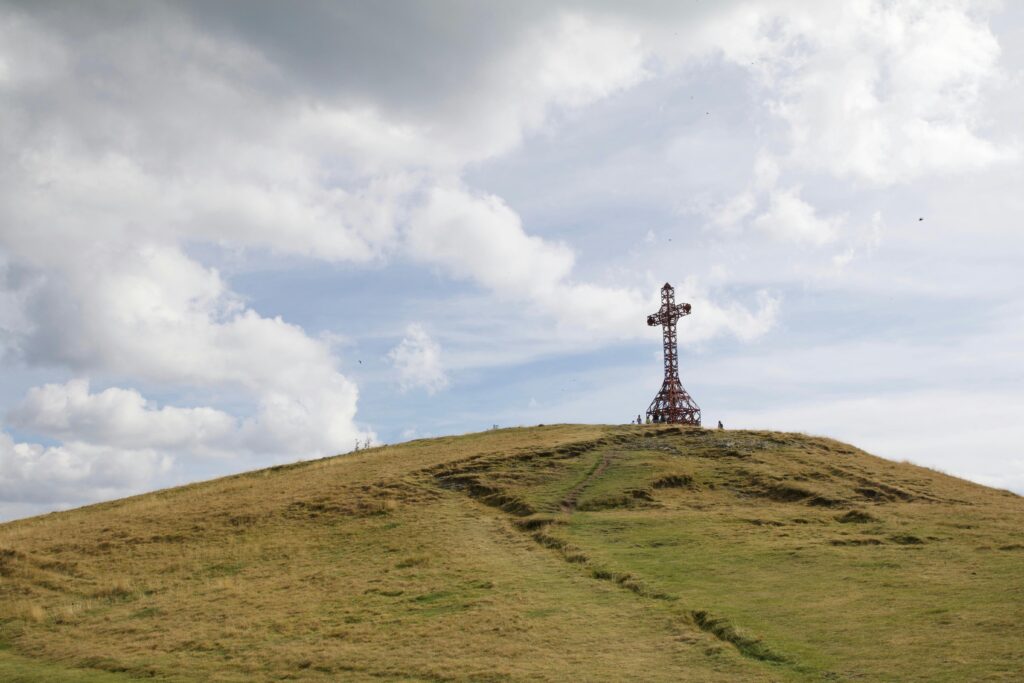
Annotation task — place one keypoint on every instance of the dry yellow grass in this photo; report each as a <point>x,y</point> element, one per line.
<point>552,553</point>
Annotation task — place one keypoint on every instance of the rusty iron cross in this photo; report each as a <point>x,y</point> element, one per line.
<point>673,403</point>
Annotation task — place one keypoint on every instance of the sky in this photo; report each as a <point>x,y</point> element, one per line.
<point>241,234</point>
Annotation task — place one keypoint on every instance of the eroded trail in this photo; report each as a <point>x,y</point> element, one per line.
<point>571,500</point>
<point>492,483</point>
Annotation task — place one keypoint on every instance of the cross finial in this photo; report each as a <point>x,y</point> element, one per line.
<point>670,311</point>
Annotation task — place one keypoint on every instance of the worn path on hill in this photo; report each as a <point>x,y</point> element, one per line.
<point>571,499</point>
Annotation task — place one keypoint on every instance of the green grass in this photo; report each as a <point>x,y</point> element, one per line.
<point>18,669</point>
<point>557,553</point>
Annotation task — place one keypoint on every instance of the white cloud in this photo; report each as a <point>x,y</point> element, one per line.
<point>730,215</point>
<point>29,55</point>
<point>322,178</point>
<point>116,442</point>
<point>72,473</point>
<point>565,62</point>
<point>881,92</point>
<point>417,358</point>
<point>120,418</point>
<point>790,218</point>
<point>718,317</point>
<point>13,315</point>
<point>871,92</point>
<point>114,171</point>
<point>766,172</point>
<point>316,423</point>
<point>479,237</point>
<point>152,314</point>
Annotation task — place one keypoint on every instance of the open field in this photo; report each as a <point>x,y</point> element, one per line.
<point>563,552</point>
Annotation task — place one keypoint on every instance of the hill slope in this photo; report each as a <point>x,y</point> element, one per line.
<point>551,553</point>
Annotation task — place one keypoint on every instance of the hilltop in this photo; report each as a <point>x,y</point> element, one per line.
<point>566,552</point>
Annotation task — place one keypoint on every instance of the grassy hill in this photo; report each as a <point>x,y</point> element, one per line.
<point>565,552</point>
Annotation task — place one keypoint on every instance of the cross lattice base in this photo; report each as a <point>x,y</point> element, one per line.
<point>674,405</point>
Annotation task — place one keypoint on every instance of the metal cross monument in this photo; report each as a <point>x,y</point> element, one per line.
<point>672,404</point>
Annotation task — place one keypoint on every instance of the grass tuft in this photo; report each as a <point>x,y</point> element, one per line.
<point>856,517</point>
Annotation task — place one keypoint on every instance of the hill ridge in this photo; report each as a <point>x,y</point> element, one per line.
<point>532,554</point>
